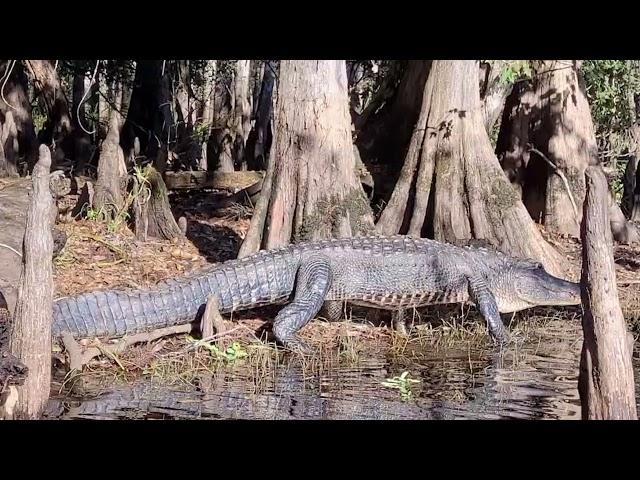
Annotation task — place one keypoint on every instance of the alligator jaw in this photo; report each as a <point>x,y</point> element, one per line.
<point>543,289</point>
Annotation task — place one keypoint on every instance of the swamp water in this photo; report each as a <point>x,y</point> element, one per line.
<point>537,379</point>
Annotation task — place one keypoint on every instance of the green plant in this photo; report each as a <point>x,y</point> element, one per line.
<point>511,71</point>
<point>402,383</point>
<point>200,131</point>
<point>610,86</point>
<point>93,214</point>
<point>232,353</point>
<point>515,70</point>
<point>114,216</point>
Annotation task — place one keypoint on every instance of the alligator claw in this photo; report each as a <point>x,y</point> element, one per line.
<point>295,345</point>
<point>502,340</point>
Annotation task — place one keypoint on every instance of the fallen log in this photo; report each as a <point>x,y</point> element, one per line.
<point>230,181</point>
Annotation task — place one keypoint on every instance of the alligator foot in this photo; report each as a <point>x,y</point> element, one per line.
<point>502,339</point>
<point>488,307</point>
<point>295,345</point>
<point>312,283</point>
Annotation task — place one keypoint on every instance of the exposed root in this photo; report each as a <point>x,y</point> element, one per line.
<point>212,319</point>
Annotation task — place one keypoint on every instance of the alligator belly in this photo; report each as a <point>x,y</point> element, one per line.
<point>402,301</point>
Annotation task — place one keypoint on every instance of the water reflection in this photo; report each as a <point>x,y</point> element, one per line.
<point>535,380</point>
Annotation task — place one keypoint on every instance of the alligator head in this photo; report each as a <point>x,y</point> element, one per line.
<point>525,284</point>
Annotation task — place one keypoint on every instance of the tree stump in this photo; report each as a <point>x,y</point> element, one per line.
<point>31,335</point>
<point>153,215</point>
<point>606,384</point>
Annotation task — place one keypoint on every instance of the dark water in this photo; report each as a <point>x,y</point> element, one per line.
<point>536,380</point>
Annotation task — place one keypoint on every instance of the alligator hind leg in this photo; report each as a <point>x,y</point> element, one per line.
<point>486,303</point>
<point>332,310</point>
<point>312,284</point>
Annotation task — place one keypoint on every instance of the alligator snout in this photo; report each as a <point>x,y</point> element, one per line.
<point>526,287</point>
<point>543,289</point>
<point>561,292</point>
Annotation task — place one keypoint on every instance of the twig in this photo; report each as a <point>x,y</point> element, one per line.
<point>110,246</point>
<point>562,176</point>
<point>224,333</point>
<point>216,336</point>
<point>11,248</point>
<point>6,78</point>
<point>78,357</point>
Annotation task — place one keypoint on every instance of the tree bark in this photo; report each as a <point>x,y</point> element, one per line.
<point>567,136</point>
<point>553,116</point>
<point>606,384</point>
<point>623,231</point>
<point>493,92</point>
<point>631,197</point>
<point>451,167</point>
<point>59,126</point>
<point>242,111</point>
<point>254,238</point>
<point>262,127</point>
<point>527,178</point>
<point>312,187</point>
<point>383,98</point>
<point>385,135</point>
<point>182,97</point>
<point>153,215</point>
<point>81,127</point>
<point>220,139</point>
<point>188,150</point>
<point>17,133</point>
<point>103,107</point>
<point>630,204</point>
<point>31,335</point>
<point>256,85</point>
<point>112,172</point>
<point>150,116</point>
<point>207,111</point>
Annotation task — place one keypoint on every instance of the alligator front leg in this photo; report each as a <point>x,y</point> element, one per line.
<point>312,284</point>
<point>486,303</point>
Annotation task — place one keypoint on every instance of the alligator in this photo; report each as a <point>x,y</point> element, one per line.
<point>384,272</point>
